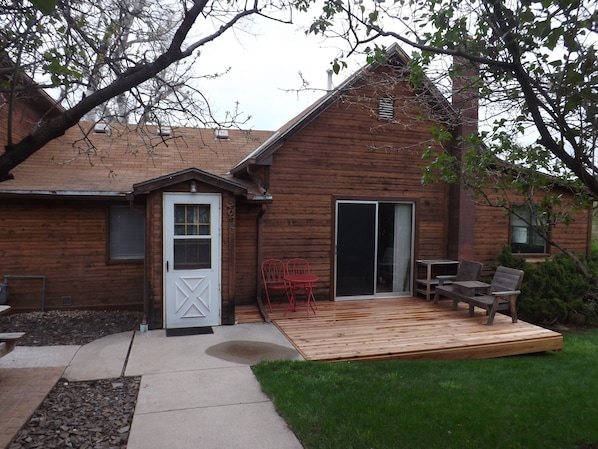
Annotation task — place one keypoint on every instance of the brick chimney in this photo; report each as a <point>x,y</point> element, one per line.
<point>462,210</point>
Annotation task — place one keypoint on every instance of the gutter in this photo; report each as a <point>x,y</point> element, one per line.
<point>62,193</point>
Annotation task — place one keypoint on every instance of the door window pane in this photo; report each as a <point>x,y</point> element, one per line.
<point>192,219</point>
<point>192,254</point>
<point>394,248</point>
<point>355,249</point>
<point>192,242</point>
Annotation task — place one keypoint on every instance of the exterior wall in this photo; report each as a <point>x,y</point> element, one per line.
<point>154,287</point>
<point>24,121</point>
<point>247,268</point>
<point>347,153</point>
<point>493,230</point>
<point>65,241</point>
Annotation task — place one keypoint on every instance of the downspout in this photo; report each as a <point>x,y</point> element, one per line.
<point>259,255</point>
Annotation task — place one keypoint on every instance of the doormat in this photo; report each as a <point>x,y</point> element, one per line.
<point>180,332</point>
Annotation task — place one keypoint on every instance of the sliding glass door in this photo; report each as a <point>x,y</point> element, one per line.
<point>374,248</point>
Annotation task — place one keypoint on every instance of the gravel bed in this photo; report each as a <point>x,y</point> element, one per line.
<point>72,327</point>
<point>84,415</point>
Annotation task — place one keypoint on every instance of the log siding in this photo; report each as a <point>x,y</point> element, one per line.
<point>66,241</point>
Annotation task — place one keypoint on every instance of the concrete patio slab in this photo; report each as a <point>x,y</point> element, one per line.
<point>242,426</point>
<point>101,359</point>
<point>243,344</point>
<point>199,388</point>
<point>39,356</point>
<point>199,391</point>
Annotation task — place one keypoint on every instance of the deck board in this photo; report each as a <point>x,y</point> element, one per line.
<point>407,328</point>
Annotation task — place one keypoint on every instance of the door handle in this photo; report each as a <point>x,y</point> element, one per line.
<point>167,267</point>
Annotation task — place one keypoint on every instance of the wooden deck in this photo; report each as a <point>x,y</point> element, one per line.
<point>407,328</point>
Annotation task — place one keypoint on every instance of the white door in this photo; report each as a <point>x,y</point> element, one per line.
<point>191,260</point>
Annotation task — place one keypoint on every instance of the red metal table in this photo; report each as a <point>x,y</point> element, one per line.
<point>304,281</point>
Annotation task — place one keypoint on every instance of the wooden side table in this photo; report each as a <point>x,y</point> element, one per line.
<point>425,286</point>
<point>470,288</point>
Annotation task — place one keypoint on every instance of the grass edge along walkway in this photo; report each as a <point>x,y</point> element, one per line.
<point>544,401</point>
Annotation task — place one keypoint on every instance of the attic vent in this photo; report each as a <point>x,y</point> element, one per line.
<point>164,132</point>
<point>101,128</point>
<point>386,108</point>
<point>221,134</point>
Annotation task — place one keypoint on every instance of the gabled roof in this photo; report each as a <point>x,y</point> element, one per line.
<point>111,164</point>
<point>126,160</point>
<point>190,174</point>
<point>263,154</point>
<point>27,90</point>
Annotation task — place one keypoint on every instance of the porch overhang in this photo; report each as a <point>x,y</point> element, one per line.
<point>190,174</point>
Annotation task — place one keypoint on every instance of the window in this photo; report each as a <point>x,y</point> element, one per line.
<point>386,108</point>
<point>524,239</point>
<point>127,233</point>
<point>193,236</point>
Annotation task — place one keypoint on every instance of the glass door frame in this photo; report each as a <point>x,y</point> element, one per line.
<point>376,293</point>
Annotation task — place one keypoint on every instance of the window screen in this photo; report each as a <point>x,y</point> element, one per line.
<point>127,233</point>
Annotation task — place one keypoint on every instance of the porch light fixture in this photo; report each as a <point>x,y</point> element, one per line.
<point>193,188</point>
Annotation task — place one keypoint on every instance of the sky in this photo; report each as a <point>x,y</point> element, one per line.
<point>264,74</point>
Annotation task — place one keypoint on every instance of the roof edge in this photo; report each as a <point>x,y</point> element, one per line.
<point>190,174</point>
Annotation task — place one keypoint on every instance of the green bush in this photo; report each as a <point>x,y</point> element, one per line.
<point>555,291</point>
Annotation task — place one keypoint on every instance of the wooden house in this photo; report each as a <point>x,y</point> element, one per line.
<point>177,221</point>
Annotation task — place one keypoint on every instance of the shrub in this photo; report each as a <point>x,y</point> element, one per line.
<point>555,291</point>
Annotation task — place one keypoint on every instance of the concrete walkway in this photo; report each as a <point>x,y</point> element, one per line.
<point>196,391</point>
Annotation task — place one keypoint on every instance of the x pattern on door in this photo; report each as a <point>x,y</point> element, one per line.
<point>193,299</point>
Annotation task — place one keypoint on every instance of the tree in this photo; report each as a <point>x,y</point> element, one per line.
<point>100,52</point>
<point>537,60</point>
<point>537,85</point>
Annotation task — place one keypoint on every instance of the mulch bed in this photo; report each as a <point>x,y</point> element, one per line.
<point>85,415</point>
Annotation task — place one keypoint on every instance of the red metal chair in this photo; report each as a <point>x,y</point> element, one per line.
<point>273,271</point>
<point>298,265</point>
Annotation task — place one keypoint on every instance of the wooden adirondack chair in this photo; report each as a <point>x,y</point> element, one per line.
<point>467,271</point>
<point>501,294</point>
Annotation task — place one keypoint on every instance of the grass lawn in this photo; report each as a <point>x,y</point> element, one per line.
<point>543,401</point>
